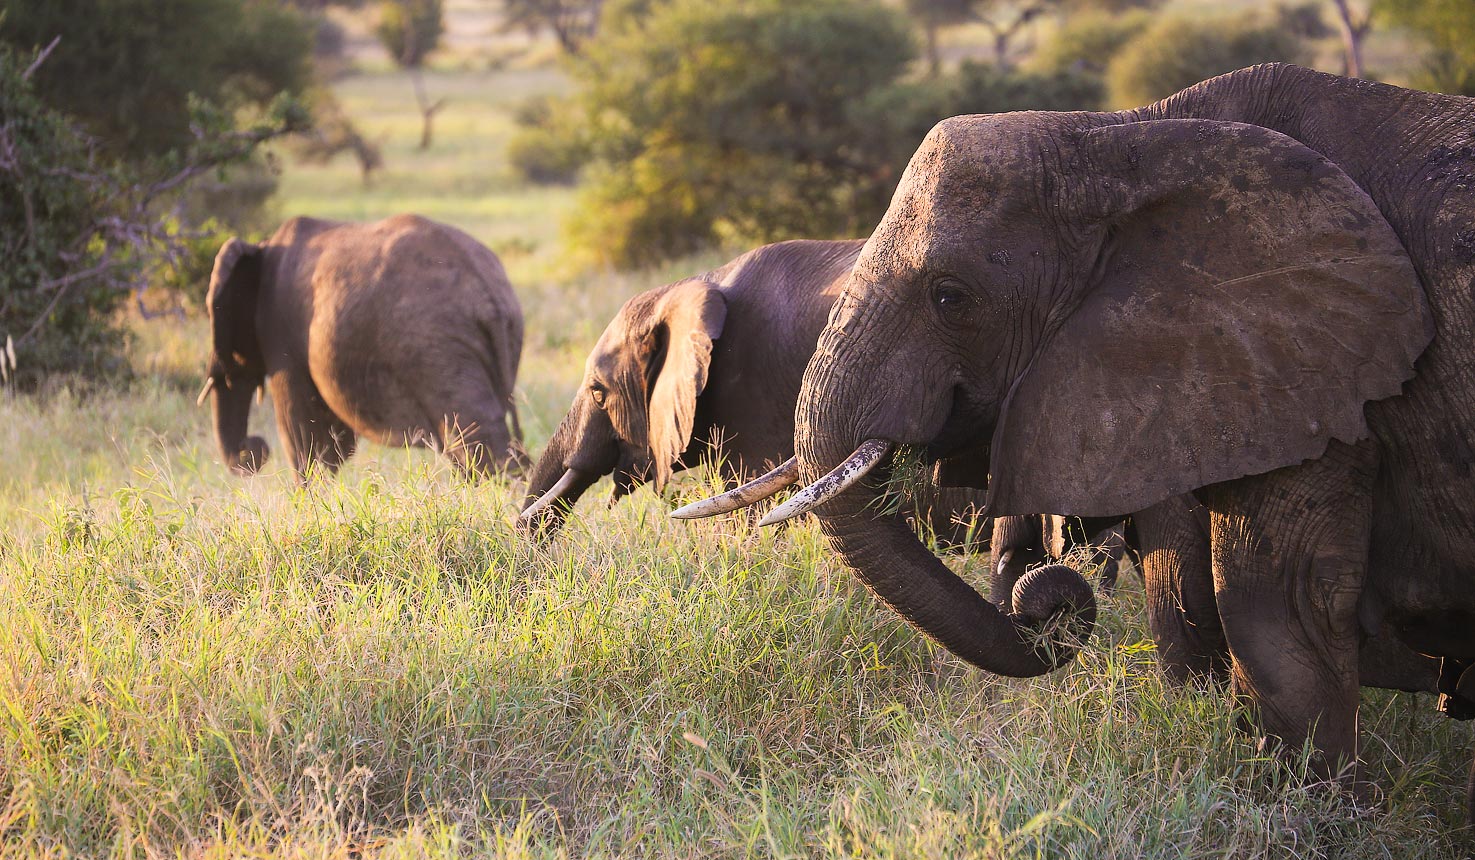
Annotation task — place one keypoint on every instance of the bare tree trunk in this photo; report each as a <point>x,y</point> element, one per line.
<point>934,59</point>
<point>1352,35</point>
<point>427,108</point>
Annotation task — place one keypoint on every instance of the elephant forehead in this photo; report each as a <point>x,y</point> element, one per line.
<point>968,171</point>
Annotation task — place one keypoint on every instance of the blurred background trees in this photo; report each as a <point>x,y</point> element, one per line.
<point>682,125</point>
<point>118,122</point>
<point>410,31</point>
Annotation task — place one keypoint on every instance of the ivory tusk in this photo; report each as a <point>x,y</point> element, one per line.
<point>754,491</point>
<point>865,458</point>
<point>205,391</point>
<point>545,501</point>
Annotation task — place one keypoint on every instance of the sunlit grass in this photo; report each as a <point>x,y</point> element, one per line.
<point>378,665</point>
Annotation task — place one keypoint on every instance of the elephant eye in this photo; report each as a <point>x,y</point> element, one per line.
<point>598,392</point>
<point>952,301</point>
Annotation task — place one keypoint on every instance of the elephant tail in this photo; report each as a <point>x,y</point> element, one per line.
<point>512,416</point>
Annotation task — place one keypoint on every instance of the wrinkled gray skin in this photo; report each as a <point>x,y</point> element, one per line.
<point>1177,571</point>
<point>717,356</point>
<point>1225,292</point>
<point>403,331</point>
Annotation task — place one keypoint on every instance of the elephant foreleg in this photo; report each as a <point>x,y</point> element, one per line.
<point>1289,551</point>
<point>1016,545</point>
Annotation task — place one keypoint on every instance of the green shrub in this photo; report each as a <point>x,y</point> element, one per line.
<point>127,70</point>
<point>1087,41</point>
<point>984,88</point>
<point>897,118</point>
<point>1448,27</point>
<point>549,146</point>
<point>1176,52</point>
<point>736,120</point>
<point>410,29</point>
<point>47,212</point>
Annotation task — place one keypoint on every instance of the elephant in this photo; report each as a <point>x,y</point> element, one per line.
<point>1257,290</point>
<point>404,331</point>
<point>714,358</point>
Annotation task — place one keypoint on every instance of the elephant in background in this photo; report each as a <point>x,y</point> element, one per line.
<point>704,367</point>
<point>1256,290</point>
<point>404,331</point>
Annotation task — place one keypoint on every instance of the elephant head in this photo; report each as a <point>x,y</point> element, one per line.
<point>1094,316</point>
<point>635,411</point>
<point>236,368</point>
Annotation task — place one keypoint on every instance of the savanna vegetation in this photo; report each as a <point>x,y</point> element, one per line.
<point>379,665</point>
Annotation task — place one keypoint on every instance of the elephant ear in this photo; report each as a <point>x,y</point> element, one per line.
<point>235,284</point>
<point>1247,301</point>
<point>690,316</point>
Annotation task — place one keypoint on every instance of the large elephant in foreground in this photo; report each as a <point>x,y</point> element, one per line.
<point>706,366</point>
<point>1258,289</point>
<point>404,331</point>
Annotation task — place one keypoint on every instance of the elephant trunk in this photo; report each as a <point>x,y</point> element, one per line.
<point>892,563</point>
<point>559,477</point>
<point>231,405</point>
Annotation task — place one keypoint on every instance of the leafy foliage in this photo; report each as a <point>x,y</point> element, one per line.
<point>736,120</point>
<point>550,146</point>
<point>47,177</point>
<point>1087,41</point>
<point>128,69</point>
<point>572,22</point>
<point>1176,52</point>
<point>76,228</point>
<point>1449,28</point>
<point>410,29</point>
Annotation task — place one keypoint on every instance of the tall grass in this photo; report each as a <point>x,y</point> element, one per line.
<point>378,665</point>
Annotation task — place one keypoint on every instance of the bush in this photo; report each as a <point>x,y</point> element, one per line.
<point>898,117</point>
<point>410,29</point>
<point>736,120</point>
<point>1448,26</point>
<point>128,69</point>
<point>1177,52</point>
<point>549,146</point>
<point>1087,41</point>
<point>47,209</point>
<point>987,89</point>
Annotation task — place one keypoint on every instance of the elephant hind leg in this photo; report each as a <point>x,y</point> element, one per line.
<point>312,434</point>
<point>1178,574</point>
<point>1290,551</point>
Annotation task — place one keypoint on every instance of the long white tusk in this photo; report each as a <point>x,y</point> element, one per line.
<point>865,458</point>
<point>546,500</point>
<point>755,490</point>
<point>205,391</point>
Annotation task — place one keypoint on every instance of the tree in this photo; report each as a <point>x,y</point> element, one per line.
<point>1086,41</point>
<point>572,22</point>
<point>1448,26</point>
<point>1176,52</point>
<point>76,228</point>
<point>410,30</point>
<point>934,15</point>
<point>1006,21</point>
<point>736,121</point>
<point>1354,26</point>
<point>127,70</point>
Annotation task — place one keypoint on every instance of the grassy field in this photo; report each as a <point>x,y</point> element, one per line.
<point>378,666</point>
